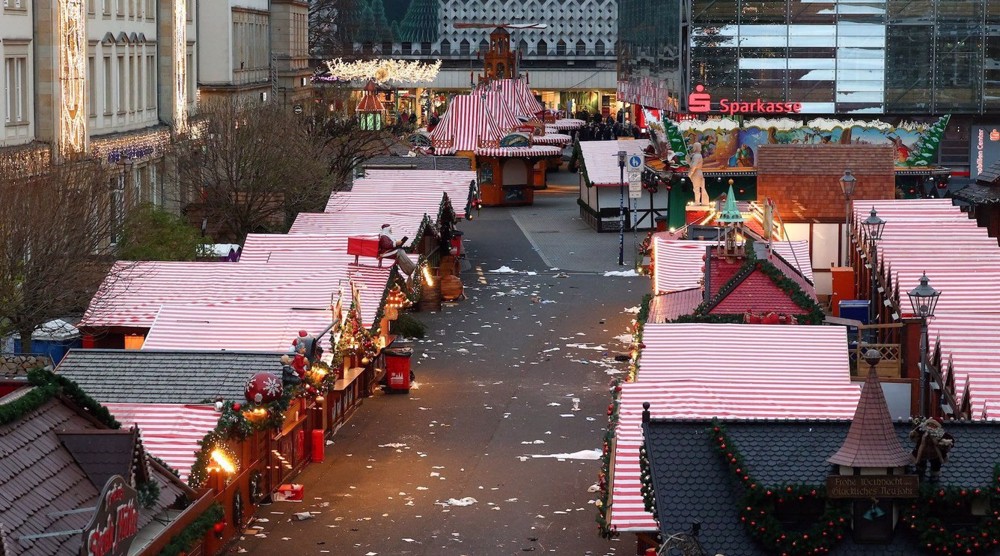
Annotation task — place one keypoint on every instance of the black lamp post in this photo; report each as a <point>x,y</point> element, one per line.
<point>621,207</point>
<point>847,186</point>
<point>874,226</point>
<point>924,300</point>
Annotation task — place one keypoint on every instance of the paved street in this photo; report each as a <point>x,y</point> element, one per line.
<point>465,464</point>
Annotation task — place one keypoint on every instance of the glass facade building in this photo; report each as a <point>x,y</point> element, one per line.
<point>836,57</point>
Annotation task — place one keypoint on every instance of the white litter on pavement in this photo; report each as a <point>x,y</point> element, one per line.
<point>634,310</point>
<point>467,501</point>
<point>582,454</point>
<point>504,270</point>
<point>392,445</point>
<point>597,347</point>
<point>624,338</point>
<point>533,442</point>
<point>623,273</point>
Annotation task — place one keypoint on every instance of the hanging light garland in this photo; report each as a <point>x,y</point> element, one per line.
<point>383,71</point>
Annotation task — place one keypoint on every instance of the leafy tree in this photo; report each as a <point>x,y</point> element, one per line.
<point>150,233</point>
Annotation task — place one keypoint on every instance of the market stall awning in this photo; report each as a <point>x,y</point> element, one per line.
<point>465,123</point>
<point>557,139</point>
<point>535,151</point>
<point>763,372</point>
<point>420,184</point>
<point>678,264</point>
<point>171,432</point>
<point>567,124</point>
<point>238,327</point>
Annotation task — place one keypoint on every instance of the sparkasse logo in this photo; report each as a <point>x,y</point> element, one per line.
<point>699,101</point>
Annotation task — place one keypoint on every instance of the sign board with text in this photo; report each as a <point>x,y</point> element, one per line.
<point>634,185</point>
<point>984,148</point>
<point>115,523</point>
<point>872,486</point>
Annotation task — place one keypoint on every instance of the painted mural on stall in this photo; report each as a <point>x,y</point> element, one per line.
<point>725,143</point>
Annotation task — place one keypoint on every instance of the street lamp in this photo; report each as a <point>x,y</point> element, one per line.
<point>874,226</point>
<point>621,207</point>
<point>923,299</point>
<point>847,186</point>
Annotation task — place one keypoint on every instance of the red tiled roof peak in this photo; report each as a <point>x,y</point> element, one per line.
<point>871,441</point>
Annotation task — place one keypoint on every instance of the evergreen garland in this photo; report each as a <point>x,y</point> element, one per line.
<point>46,385</point>
<point>934,535</point>
<point>148,493</point>
<point>758,506</point>
<point>182,542</point>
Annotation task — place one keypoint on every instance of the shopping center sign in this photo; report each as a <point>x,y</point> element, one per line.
<point>700,102</point>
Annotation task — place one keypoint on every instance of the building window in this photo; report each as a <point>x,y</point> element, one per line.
<point>191,79</point>
<point>445,48</point>
<point>121,85</point>
<point>581,48</point>
<point>407,47</point>
<point>599,48</point>
<point>120,11</point>
<point>150,9</point>
<point>16,90</point>
<point>250,47</point>
<point>106,7</point>
<point>561,48</point>
<point>154,187</point>
<point>91,87</point>
<point>108,84</point>
<point>543,48</point>
<point>150,82</point>
<point>91,7</point>
<point>463,48</point>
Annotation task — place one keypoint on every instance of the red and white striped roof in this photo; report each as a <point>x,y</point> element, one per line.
<point>963,263</point>
<point>601,160</point>
<point>567,124</point>
<point>678,264</point>
<point>354,224</point>
<point>796,253</point>
<point>558,139</point>
<point>761,372</point>
<point>133,293</point>
<point>501,108</point>
<point>242,327</point>
<point>420,183</point>
<point>373,202</point>
<point>464,125</point>
<point>523,103</point>
<point>170,432</point>
<point>534,151</point>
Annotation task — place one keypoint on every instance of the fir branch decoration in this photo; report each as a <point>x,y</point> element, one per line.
<point>182,542</point>
<point>148,493</point>
<point>46,385</point>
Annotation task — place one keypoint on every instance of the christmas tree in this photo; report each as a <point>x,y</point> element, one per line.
<point>925,151</point>
<point>381,31</point>
<point>420,22</point>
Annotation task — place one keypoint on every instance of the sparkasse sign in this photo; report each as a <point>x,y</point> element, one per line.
<point>700,102</point>
<point>115,523</point>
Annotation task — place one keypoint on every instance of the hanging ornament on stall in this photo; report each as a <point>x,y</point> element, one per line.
<point>263,388</point>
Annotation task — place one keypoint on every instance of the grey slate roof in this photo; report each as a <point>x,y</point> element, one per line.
<point>979,194</point>
<point>39,477</point>
<point>120,376</point>
<point>693,483</point>
<point>419,162</point>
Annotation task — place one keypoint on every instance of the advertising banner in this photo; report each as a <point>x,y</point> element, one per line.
<point>984,148</point>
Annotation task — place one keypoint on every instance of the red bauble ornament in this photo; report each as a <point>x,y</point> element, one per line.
<point>263,388</point>
<point>219,526</point>
<point>236,407</point>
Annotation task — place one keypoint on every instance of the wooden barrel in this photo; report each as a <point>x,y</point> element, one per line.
<point>430,295</point>
<point>451,287</point>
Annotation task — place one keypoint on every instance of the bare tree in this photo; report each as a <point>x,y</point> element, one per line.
<point>253,169</point>
<point>345,146</point>
<point>333,26</point>
<point>57,226</point>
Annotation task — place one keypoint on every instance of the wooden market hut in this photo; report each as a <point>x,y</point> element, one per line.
<point>504,161</point>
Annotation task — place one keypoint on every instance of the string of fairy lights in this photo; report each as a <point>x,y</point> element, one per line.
<point>384,70</point>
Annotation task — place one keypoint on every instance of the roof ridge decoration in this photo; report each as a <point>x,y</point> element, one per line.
<point>871,441</point>
<point>730,212</point>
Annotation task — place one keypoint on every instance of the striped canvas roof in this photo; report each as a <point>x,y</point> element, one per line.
<point>678,264</point>
<point>557,139</point>
<point>373,202</point>
<point>764,372</point>
<point>465,123</point>
<point>963,263</point>
<point>170,432</point>
<point>500,107</point>
<point>520,152</point>
<point>796,254</point>
<point>523,103</point>
<point>567,124</point>
<point>232,327</point>
<point>355,224</point>
<point>134,295</point>
<point>601,160</point>
<point>417,183</point>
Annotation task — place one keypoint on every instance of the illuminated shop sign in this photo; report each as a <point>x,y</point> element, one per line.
<point>700,102</point>
<point>984,149</point>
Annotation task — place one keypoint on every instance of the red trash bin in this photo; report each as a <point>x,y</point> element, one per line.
<point>397,369</point>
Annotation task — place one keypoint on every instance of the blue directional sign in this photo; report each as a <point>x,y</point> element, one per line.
<point>634,161</point>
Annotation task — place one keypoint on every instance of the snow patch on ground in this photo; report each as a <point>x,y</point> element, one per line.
<point>623,273</point>
<point>504,270</point>
<point>582,454</point>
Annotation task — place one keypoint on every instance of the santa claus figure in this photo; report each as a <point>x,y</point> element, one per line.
<point>387,244</point>
<point>300,361</point>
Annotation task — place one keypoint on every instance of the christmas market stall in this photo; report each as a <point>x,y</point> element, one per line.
<point>605,190</point>
<point>861,486</point>
<point>761,371</point>
<point>75,481</point>
<point>934,239</point>
<point>267,416</point>
<point>504,160</point>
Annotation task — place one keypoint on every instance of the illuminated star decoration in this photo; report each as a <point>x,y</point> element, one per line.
<point>383,71</point>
